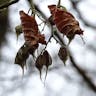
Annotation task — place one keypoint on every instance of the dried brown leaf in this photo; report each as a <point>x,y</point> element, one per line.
<point>65,22</point>
<point>30,29</point>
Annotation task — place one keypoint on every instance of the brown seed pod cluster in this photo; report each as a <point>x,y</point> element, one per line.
<point>32,38</point>
<point>65,22</point>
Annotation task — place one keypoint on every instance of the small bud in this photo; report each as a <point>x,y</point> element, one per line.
<point>18,30</point>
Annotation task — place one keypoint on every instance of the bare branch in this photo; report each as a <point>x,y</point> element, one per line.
<point>82,73</point>
<point>8,4</point>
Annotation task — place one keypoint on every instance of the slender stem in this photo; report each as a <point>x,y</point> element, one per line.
<point>59,2</point>
<point>32,6</point>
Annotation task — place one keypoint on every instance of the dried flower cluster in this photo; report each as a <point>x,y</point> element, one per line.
<point>32,39</point>
<point>65,23</point>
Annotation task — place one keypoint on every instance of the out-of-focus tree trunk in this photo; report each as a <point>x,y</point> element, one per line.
<point>3,22</point>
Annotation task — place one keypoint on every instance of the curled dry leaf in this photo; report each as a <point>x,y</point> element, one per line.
<point>22,56</point>
<point>65,22</point>
<point>63,54</point>
<point>30,29</point>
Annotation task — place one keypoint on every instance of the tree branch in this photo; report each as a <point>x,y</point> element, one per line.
<point>8,4</point>
<point>82,73</point>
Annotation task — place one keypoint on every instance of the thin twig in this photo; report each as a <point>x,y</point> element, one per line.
<point>32,6</point>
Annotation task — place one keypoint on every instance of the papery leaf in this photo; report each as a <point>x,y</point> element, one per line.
<point>65,22</point>
<point>22,56</point>
<point>30,29</point>
<point>41,38</point>
<point>63,54</point>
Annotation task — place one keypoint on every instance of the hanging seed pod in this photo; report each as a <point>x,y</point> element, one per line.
<point>22,56</point>
<point>43,59</point>
<point>48,60</point>
<point>40,61</point>
<point>63,54</point>
<point>65,22</point>
<point>30,29</point>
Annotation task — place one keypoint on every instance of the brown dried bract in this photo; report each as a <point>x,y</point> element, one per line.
<point>30,29</point>
<point>65,22</point>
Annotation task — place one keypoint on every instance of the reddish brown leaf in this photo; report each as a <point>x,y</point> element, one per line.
<point>30,29</point>
<point>65,22</point>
